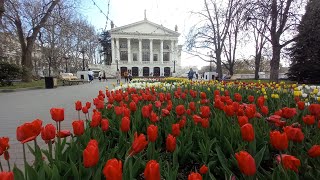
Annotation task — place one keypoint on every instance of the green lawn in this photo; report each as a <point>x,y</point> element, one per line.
<point>33,84</point>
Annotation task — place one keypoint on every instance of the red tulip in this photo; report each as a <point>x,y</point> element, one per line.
<point>104,124</point>
<point>78,127</point>
<point>158,104</point>
<point>133,106</point>
<point>180,110</point>
<point>204,169</point>
<point>278,140</point>
<point>88,105</point>
<point>289,162</point>
<point>170,143</point>
<point>205,111</point>
<point>48,132</point>
<point>288,112</point>
<point>276,119</point>
<point>203,95</point>
<point>247,132</point>
<point>264,110</point>
<point>85,110</point>
<point>192,106</point>
<point>250,112</point>
<point>314,109</point>
<point>113,169</point>
<point>152,132</point>
<point>145,111</point>
<point>251,99</point>
<point>63,133</point>
<point>182,123</point>
<point>152,170</point>
<point>242,120</point>
<point>29,131</point>
<point>57,114</point>
<point>314,151</point>
<point>301,105</point>
<point>165,112</point>
<point>309,119</point>
<point>237,97</point>
<point>153,117</point>
<point>175,130</point>
<point>125,124</point>
<point>294,134</point>
<point>78,105</point>
<point>228,109</point>
<point>96,119</point>
<point>194,176</point>
<point>6,175</point>
<point>246,163</point>
<point>139,143</point>
<point>205,123</point>
<point>260,101</point>
<point>4,144</point>
<point>91,154</point>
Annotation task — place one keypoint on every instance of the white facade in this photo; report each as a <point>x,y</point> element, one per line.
<point>145,49</point>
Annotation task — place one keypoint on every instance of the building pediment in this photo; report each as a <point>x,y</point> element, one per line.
<point>144,27</point>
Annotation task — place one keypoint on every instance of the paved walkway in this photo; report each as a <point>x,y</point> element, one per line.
<point>19,107</point>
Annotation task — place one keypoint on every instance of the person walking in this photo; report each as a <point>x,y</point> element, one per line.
<point>190,74</point>
<point>130,76</point>
<point>104,76</point>
<point>118,76</point>
<point>125,74</point>
<point>100,76</point>
<point>90,75</point>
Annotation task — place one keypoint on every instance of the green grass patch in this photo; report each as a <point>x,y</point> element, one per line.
<point>19,85</point>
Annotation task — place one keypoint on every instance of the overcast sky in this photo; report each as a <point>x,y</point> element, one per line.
<point>166,12</point>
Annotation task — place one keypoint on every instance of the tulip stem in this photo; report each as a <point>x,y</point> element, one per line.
<point>50,149</point>
<point>9,165</point>
<point>78,115</point>
<point>1,166</point>
<point>25,161</point>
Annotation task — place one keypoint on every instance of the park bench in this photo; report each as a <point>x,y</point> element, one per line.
<point>70,79</point>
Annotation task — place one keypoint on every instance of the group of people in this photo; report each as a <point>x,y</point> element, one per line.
<point>126,74</point>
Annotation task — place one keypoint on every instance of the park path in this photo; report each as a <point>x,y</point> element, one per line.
<point>17,108</point>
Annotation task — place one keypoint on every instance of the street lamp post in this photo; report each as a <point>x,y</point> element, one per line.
<point>174,66</point>
<point>66,58</point>
<point>117,61</point>
<point>82,51</point>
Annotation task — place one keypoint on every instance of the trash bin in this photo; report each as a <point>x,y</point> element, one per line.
<point>49,82</point>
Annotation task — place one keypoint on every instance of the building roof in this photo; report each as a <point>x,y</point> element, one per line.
<point>144,27</point>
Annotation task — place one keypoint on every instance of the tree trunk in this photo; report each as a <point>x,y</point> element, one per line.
<point>27,63</point>
<point>219,66</point>
<point>275,62</point>
<point>1,9</point>
<point>257,66</point>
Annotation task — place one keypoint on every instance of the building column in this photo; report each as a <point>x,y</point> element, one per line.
<point>172,51</point>
<point>140,51</point>
<point>113,60</point>
<point>129,50</point>
<point>161,51</point>
<point>151,51</point>
<point>117,49</point>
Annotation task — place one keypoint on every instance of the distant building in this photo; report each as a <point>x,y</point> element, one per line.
<point>145,49</point>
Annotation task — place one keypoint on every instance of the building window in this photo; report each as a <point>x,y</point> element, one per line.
<point>124,55</point>
<point>166,56</point>
<point>135,57</point>
<point>165,46</point>
<point>123,45</point>
<point>145,56</point>
<point>155,57</point>
<point>145,46</point>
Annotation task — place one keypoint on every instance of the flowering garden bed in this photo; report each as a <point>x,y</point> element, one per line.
<point>200,130</point>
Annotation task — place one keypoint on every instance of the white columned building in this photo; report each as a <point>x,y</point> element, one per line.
<point>145,49</point>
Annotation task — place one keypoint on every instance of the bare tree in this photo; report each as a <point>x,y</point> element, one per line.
<point>211,33</point>
<point>284,17</point>
<point>1,9</point>
<point>28,17</point>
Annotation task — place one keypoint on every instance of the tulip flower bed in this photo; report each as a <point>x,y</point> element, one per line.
<point>199,130</point>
